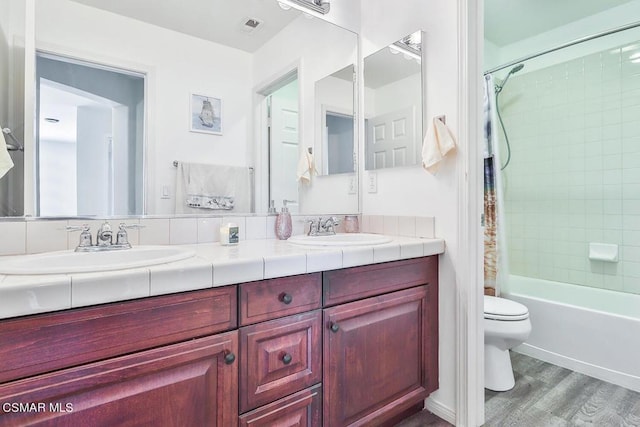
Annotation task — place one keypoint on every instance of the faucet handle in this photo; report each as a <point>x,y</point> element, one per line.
<point>121,237</point>
<point>313,226</point>
<point>85,235</point>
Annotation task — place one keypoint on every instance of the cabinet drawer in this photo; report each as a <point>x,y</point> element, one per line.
<point>355,283</point>
<point>47,342</point>
<point>278,358</point>
<point>269,299</point>
<point>300,409</point>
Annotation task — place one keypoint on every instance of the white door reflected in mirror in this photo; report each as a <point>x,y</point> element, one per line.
<point>393,104</point>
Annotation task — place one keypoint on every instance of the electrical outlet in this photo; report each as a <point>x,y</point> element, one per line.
<point>373,182</point>
<point>353,186</point>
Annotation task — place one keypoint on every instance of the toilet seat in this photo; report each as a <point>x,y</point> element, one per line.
<point>503,309</point>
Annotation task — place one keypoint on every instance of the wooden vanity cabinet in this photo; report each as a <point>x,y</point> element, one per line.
<point>350,347</point>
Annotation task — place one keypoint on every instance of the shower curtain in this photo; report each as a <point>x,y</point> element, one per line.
<point>491,193</point>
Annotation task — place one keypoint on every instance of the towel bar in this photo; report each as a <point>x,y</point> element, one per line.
<point>175,165</point>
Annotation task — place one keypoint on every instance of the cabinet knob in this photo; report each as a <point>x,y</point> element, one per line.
<point>335,327</point>
<point>286,298</point>
<point>229,358</point>
<point>286,359</point>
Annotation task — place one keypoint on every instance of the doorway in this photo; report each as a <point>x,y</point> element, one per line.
<point>283,143</point>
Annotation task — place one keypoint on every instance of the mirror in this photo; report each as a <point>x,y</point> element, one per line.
<point>12,71</point>
<point>393,110</point>
<point>335,134</point>
<point>216,51</point>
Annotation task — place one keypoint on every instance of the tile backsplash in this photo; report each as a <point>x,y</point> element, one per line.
<point>34,236</point>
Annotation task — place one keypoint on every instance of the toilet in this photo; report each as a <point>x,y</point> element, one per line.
<point>506,325</point>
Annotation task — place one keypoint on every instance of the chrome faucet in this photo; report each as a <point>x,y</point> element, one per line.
<point>323,226</point>
<point>104,238</point>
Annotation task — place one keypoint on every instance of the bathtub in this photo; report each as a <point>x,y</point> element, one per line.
<point>588,330</point>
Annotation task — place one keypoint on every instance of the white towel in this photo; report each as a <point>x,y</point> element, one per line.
<point>306,167</point>
<point>438,142</point>
<point>5,159</point>
<point>203,184</point>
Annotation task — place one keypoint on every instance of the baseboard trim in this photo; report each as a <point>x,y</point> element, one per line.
<point>441,410</point>
<point>615,377</point>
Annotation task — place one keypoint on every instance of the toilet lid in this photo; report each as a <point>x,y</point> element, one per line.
<point>504,309</point>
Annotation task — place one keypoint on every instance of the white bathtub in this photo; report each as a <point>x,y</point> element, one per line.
<point>588,330</point>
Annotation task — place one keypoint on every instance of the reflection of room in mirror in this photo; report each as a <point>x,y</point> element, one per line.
<point>393,108</point>
<point>224,52</point>
<point>89,141</point>
<point>335,123</point>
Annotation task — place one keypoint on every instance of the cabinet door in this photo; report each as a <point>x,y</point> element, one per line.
<point>279,357</point>
<point>376,354</point>
<point>187,384</point>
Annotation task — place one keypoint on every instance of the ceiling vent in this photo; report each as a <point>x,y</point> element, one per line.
<point>250,25</point>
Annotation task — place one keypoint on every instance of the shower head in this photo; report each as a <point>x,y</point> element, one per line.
<point>516,68</point>
<point>506,79</point>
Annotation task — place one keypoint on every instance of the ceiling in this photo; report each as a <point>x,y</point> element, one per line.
<point>219,21</point>
<point>509,21</point>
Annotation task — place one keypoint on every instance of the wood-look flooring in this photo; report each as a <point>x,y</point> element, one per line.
<point>546,395</point>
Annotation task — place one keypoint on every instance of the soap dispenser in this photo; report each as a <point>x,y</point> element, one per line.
<point>283,223</point>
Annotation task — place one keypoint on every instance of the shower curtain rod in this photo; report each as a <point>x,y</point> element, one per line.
<point>562,46</point>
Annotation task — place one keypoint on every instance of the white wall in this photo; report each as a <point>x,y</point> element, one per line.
<point>323,50</point>
<point>411,190</point>
<point>177,65</point>
<point>58,180</point>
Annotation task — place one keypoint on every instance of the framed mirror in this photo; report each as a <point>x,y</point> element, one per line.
<point>212,52</point>
<point>393,104</point>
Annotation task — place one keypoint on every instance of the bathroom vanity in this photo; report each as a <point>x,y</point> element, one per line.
<point>347,346</point>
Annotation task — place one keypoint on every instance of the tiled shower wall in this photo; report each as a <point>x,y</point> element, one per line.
<point>574,176</point>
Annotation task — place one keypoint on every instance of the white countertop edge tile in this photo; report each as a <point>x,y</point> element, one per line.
<point>103,287</point>
<point>229,272</point>
<point>285,265</point>
<point>49,294</point>
<point>251,260</point>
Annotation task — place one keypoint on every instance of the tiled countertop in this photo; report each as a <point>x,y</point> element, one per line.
<point>213,265</point>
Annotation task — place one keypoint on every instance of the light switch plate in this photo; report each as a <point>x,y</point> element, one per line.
<point>165,192</point>
<point>372,182</point>
<point>353,186</point>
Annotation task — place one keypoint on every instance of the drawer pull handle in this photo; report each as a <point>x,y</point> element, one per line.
<point>286,298</point>
<point>229,358</point>
<point>335,327</point>
<point>286,359</point>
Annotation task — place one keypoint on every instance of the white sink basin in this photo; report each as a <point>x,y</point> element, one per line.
<point>85,262</point>
<point>340,239</point>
